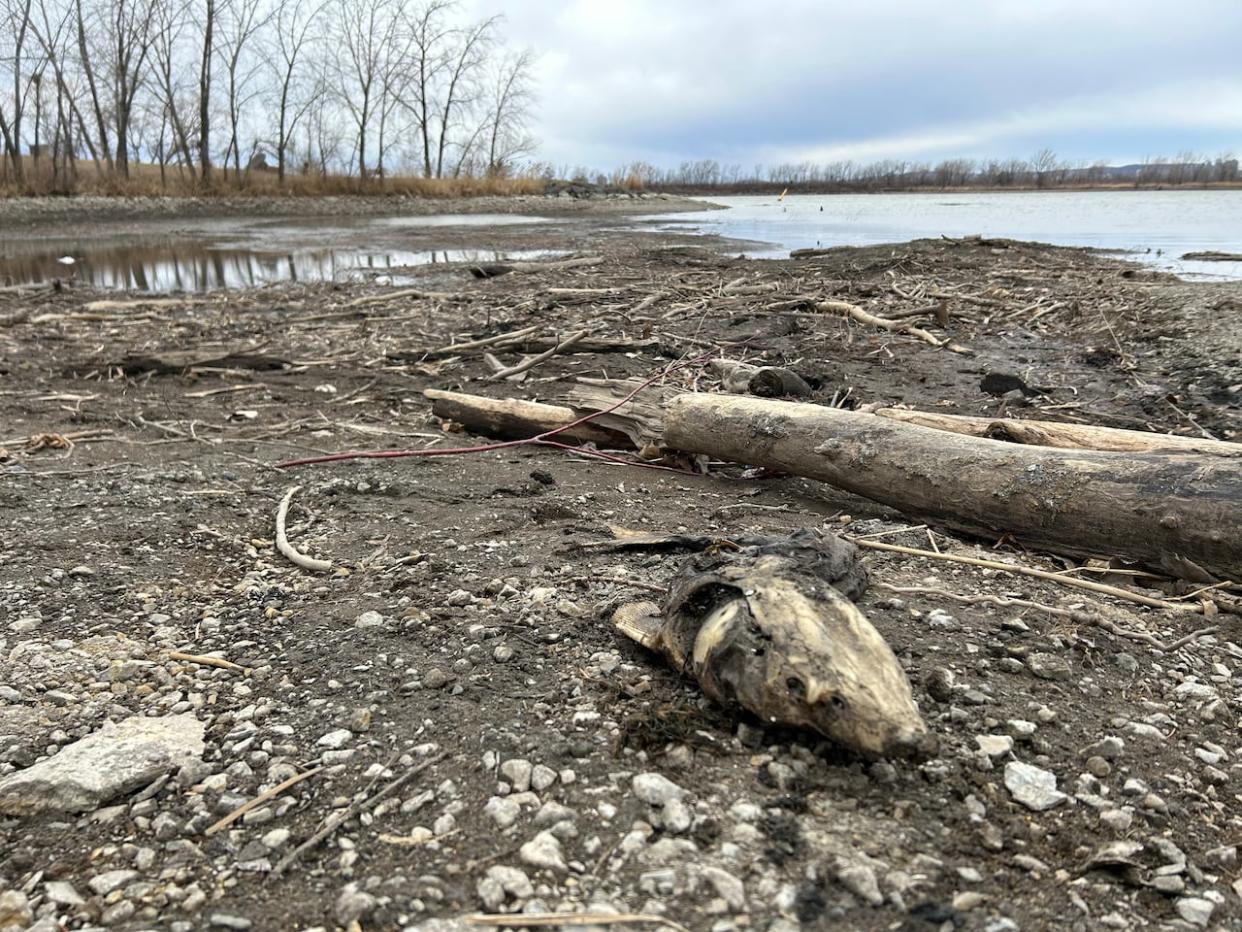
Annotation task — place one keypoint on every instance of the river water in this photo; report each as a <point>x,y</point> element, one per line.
<point>1153,226</point>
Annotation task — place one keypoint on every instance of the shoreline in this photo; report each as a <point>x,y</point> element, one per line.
<point>22,212</point>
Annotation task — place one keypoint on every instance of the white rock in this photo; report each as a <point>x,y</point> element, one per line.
<point>370,619</point>
<point>62,893</point>
<point>542,777</point>
<point>518,772</point>
<point>860,880</point>
<point>115,760</point>
<point>994,745</point>
<point>1195,910</point>
<point>504,811</point>
<point>656,789</point>
<point>731,890</point>
<point>105,883</point>
<point>335,740</point>
<point>1032,787</point>
<point>544,850</point>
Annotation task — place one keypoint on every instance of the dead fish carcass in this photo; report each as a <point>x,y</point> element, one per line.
<point>771,626</point>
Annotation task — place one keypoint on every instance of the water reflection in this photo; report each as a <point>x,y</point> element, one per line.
<point>191,266</point>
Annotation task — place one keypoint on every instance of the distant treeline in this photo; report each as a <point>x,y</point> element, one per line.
<point>1043,170</point>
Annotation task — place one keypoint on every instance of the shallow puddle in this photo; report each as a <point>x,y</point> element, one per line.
<point>168,265</point>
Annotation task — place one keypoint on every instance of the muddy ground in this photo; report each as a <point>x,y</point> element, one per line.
<point>464,629</point>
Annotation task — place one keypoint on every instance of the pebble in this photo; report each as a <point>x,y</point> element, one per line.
<point>860,880</point>
<point>518,772</point>
<point>544,851</point>
<point>994,745</point>
<point>1195,910</point>
<point>542,777</point>
<point>655,789</point>
<point>1048,666</point>
<point>105,883</point>
<point>370,619</point>
<point>335,740</point>
<point>502,882</point>
<point>1032,787</point>
<point>353,904</point>
<point>727,886</point>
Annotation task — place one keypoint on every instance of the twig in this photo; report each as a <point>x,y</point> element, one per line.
<point>572,919</point>
<point>218,662</point>
<point>282,541</point>
<point>260,800</point>
<point>340,818</point>
<point>521,367</point>
<point>1081,617</point>
<point>884,323</point>
<point>393,295</point>
<point>1070,581</point>
<point>512,336</point>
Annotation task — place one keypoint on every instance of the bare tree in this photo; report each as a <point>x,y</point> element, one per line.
<point>508,114</point>
<point>461,86</point>
<point>429,32</point>
<point>367,28</point>
<point>204,90</point>
<point>15,33</point>
<point>242,22</point>
<point>291,42</point>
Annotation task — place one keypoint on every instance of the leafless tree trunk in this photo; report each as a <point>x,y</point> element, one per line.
<point>292,24</point>
<point>204,91</point>
<point>243,22</point>
<point>15,23</point>
<point>428,32</point>
<point>509,111</point>
<point>461,88</point>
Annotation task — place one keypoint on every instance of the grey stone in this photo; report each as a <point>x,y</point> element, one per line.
<point>544,850</point>
<point>502,882</point>
<point>994,745</point>
<point>517,772</point>
<point>1195,910</point>
<point>369,620</point>
<point>1032,787</point>
<point>229,921</point>
<point>115,760</point>
<point>353,904</point>
<point>860,880</point>
<point>105,883</point>
<point>655,789</point>
<point>1048,666</point>
<point>730,888</point>
<point>61,893</point>
<point>504,810</point>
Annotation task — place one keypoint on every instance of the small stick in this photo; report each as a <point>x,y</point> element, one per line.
<point>282,541</point>
<point>1070,581</point>
<point>260,800</point>
<point>340,818</point>
<point>572,919</point>
<point>1078,616</point>
<point>513,335</point>
<point>521,367</point>
<point>219,662</point>
<point>393,295</point>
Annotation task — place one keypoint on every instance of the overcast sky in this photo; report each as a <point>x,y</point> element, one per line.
<point>767,81</point>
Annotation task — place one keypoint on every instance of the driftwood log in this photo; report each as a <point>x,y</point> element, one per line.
<point>1179,511</point>
<point>511,419</point>
<point>1064,436</point>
